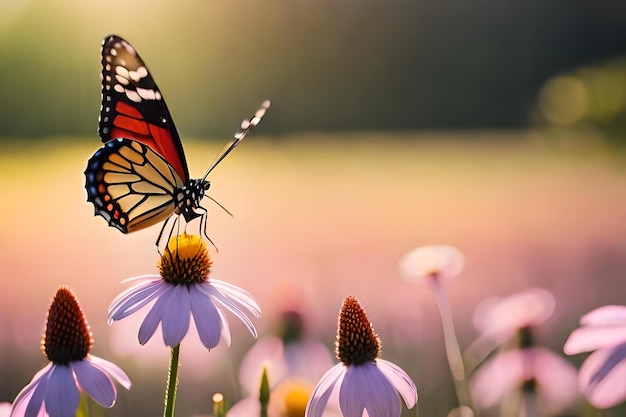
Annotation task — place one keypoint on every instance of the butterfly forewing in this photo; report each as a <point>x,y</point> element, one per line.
<point>133,107</point>
<point>130,185</point>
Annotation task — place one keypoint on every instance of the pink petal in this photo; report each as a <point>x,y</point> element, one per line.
<point>113,370</point>
<point>27,403</point>
<point>606,315</point>
<point>234,305</point>
<point>267,352</point>
<point>400,380</point>
<point>497,377</point>
<point>95,382</point>
<point>585,339</point>
<point>556,380</point>
<point>504,316</point>
<point>602,377</point>
<point>366,387</point>
<point>206,317</point>
<point>134,298</point>
<point>62,395</point>
<point>154,317</point>
<point>177,313</point>
<point>323,390</point>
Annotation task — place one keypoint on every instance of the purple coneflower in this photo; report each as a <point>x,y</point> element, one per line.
<point>365,382</point>
<point>55,390</point>
<point>184,288</point>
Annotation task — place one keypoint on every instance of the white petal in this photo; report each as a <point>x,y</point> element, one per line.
<point>175,320</point>
<point>205,316</point>
<point>400,380</point>
<point>323,390</point>
<point>585,339</point>
<point>62,396</point>
<point>95,382</point>
<point>112,369</point>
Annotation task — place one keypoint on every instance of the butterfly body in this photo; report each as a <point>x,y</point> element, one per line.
<point>139,177</point>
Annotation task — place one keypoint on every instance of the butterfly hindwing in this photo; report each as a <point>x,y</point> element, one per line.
<point>130,185</point>
<point>133,107</point>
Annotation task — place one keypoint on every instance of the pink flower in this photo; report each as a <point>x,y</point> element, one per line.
<point>439,261</point>
<point>553,378</point>
<point>603,374</point>
<point>365,383</point>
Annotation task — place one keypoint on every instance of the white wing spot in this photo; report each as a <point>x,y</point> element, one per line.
<point>122,71</point>
<point>146,93</point>
<point>142,72</point>
<point>108,78</point>
<point>113,52</point>
<point>132,95</point>
<point>157,95</point>
<point>107,58</point>
<point>119,88</point>
<point>122,80</point>
<point>107,67</point>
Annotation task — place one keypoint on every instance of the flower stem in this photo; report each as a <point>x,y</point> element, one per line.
<point>453,350</point>
<point>172,383</point>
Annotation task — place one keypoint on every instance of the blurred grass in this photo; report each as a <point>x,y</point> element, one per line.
<point>318,217</point>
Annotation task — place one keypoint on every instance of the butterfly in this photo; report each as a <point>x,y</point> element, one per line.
<point>139,177</point>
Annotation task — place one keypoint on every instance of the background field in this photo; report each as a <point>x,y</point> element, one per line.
<point>316,218</point>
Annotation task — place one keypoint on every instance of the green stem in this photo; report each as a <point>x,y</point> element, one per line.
<point>453,350</point>
<point>172,383</point>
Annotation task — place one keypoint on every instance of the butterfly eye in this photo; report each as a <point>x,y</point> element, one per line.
<point>206,185</point>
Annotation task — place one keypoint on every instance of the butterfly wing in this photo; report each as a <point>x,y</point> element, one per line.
<point>133,107</point>
<point>130,185</point>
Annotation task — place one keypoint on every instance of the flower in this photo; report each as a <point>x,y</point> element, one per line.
<point>534,370</point>
<point>499,319</point>
<point>602,375</point>
<point>292,362</point>
<point>438,261</point>
<point>521,368</point>
<point>184,288</point>
<point>365,382</point>
<point>55,390</point>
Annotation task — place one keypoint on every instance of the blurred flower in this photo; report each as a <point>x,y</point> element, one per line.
<point>55,390</point>
<point>184,288</point>
<point>442,261</point>
<point>534,370</point>
<point>293,364</point>
<point>602,375</point>
<point>537,376</point>
<point>366,382</point>
<point>501,318</point>
<point>435,264</point>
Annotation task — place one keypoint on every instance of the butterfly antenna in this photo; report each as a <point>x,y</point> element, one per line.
<point>246,127</point>
<point>220,206</point>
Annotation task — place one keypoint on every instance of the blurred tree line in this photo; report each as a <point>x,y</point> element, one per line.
<point>326,64</point>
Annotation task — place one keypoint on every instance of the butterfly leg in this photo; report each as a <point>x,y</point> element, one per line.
<point>169,236</point>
